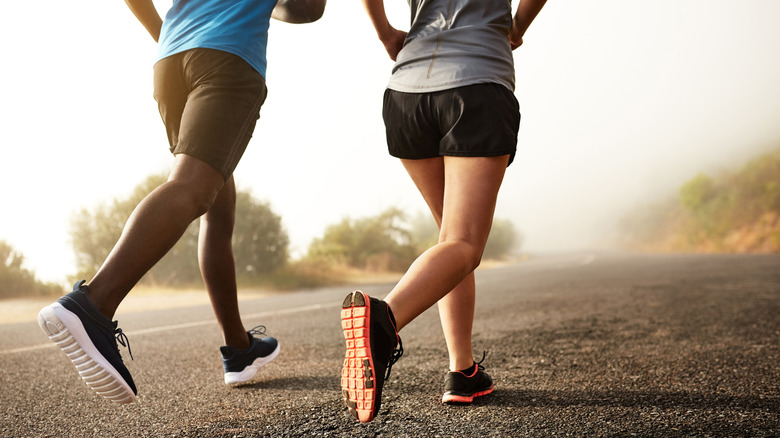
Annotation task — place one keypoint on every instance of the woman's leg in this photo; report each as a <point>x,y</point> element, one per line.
<point>461,192</point>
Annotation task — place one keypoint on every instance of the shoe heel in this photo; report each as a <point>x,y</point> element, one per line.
<point>49,322</point>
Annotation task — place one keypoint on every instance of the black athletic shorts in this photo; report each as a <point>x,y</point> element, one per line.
<point>209,101</point>
<point>479,120</point>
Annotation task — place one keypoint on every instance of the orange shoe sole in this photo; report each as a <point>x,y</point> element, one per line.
<point>357,374</point>
<point>452,398</point>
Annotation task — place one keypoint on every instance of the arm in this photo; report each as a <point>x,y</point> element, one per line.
<point>147,14</point>
<point>527,10</point>
<point>392,38</point>
<point>299,11</point>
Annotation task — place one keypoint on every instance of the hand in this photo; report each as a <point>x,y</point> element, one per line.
<point>394,42</point>
<point>515,37</point>
<point>527,10</point>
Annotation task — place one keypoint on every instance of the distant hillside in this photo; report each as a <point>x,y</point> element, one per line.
<point>732,212</point>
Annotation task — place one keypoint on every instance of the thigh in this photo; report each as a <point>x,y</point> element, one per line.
<point>470,191</point>
<point>428,176</point>
<point>170,92</point>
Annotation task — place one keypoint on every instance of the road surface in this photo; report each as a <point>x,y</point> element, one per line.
<point>578,345</point>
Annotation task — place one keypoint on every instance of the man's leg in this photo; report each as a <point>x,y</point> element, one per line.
<point>155,225</point>
<point>80,323</point>
<point>215,256</point>
<point>244,353</point>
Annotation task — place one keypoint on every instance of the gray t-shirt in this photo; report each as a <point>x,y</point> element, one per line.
<point>453,43</point>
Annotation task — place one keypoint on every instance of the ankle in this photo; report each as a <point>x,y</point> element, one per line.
<point>104,310</point>
<point>237,342</point>
<point>462,367</point>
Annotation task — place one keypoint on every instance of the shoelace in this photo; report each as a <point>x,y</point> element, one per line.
<point>479,364</point>
<point>397,353</point>
<point>258,330</point>
<point>121,338</point>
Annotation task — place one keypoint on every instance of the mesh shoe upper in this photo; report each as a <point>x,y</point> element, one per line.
<point>103,332</point>
<point>464,386</point>
<point>234,360</point>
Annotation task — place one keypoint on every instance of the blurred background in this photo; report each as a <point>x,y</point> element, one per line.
<point>645,126</point>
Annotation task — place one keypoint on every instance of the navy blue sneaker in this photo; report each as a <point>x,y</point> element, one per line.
<point>89,339</point>
<point>373,346</point>
<point>242,365</point>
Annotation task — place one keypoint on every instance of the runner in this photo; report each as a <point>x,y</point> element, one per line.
<point>209,83</point>
<point>452,118</point>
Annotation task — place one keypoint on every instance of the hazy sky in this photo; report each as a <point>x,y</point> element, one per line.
<point>621,101</point>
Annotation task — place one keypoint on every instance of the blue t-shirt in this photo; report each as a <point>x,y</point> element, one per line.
<point>239,27</point>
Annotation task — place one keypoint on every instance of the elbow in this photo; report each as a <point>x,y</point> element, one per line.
<point>299,11</point>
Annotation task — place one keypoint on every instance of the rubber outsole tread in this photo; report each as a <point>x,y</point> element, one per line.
<point>464,399</point>
<point>357,377</point>
<point>95,376</point>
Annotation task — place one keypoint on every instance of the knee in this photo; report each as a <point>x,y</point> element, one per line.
<point>199,198</point>
<point>476,259</point>
<point>204,199</point>
<point>471,253</point>
<point>202,204</point>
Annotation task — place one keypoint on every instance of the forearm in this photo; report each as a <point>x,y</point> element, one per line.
<point>527,10</point>
<point>147,14</point>
<point>392,38</point>
<point>378,16</point>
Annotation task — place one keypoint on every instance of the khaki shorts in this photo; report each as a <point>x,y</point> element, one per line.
<point>209,101</point>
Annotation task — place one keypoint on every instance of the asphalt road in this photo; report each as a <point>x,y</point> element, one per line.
<point>578,345</point>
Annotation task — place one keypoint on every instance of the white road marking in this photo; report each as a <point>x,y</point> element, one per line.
<point>171,327</point>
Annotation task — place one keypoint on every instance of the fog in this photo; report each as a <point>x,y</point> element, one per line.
<point>621,101</point>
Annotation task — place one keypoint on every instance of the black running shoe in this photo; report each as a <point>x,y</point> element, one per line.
<point>373,346</point>
<point>463,386</point>
<point>89,339</point>
<point>242,365</point>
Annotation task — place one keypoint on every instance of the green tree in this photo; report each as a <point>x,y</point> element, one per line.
<point>424,231</point>
<point>697,192</point>
<point>15,280</point>
<point>708,211</point>
<point>390,242</point>
<point>710,204</point>
<point>260,243</point>
<point>377,243</point>
<point>503,239</point>
<point>94,231</point>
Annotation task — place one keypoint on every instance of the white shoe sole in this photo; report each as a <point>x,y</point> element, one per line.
<point>65,329</point>
<point>249,372</point>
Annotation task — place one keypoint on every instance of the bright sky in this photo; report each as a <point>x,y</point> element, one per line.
<point>622,101</point>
